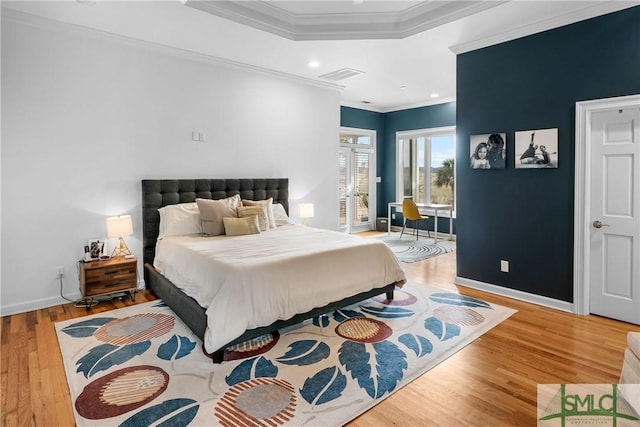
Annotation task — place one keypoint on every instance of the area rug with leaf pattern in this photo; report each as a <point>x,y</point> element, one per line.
<point>141,366</point>
<point>409,249</point>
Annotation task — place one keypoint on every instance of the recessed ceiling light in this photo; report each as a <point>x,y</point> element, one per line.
<point>366,102</point>
<point>434,95</point>
<point>313,64</point>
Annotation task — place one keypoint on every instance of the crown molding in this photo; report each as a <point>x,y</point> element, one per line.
<point>185,54</point>
<point>372,107</point>
<point>592,10</point>
<point>342,26</point>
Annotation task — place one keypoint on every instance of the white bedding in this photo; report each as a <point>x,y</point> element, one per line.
<point>251,281</point>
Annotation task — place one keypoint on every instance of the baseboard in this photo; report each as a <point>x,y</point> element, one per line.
<point>38,304</point>
<point>515,294</point>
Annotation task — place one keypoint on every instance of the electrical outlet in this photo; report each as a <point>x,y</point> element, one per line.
<point>60,271</point>
<point>504,266</point>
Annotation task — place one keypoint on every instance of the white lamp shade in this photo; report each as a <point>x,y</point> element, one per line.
<point>119,226</point>
<point>305,210</point>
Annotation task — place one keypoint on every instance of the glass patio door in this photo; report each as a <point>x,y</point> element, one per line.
<point>356,181</point>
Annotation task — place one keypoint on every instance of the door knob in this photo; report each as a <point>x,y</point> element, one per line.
<point>599,224</point>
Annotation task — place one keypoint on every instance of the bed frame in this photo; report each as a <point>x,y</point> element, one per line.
<point>157,193</point>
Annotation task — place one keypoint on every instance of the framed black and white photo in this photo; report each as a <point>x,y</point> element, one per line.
<point>536,149</point>
<point>488,151</point>
<point>97,249</point>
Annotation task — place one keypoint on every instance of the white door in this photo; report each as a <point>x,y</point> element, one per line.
<point>614,236</point>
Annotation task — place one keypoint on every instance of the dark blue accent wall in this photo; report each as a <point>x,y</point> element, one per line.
<point>432,116</point>
<point>525,216</point>
<point>386,125</point>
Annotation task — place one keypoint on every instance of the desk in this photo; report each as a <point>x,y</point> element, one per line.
<point>422,206</point>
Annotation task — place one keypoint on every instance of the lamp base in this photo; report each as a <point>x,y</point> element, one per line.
<point>121,249</point>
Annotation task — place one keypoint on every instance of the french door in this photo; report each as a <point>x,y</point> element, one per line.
<point>357,180</point>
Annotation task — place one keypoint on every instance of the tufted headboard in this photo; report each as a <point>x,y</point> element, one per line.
<point>157,193</point>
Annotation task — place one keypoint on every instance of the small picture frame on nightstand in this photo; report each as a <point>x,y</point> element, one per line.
<point>97,248</point>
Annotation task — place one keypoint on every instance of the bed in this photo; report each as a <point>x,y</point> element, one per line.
<point>220,310</point>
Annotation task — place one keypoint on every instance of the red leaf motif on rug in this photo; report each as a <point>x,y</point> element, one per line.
<point>362,329</point>
<point>254,402</point>
<point>121,391</point>
<point>134,329</point>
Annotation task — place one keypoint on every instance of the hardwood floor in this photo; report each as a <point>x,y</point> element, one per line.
<point>491,382</point>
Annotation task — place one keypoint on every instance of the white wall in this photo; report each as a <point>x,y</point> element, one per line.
<point>86,116</point>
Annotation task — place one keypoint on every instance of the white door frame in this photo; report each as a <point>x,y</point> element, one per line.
<point>371,149</point>
<point>582,197</point>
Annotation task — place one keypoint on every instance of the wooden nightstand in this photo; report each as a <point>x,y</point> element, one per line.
<point>107,277</point>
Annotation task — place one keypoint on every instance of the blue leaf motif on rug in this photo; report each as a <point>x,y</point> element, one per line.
<point>443,331</point>
<point>342,315</point>
<point>176,347</point>
<point>324,386</point>
<point>175,412</point>
<point>305,352</point>
<point>258,367</point>
<point>86,328</point>
<point>105,356</point>
<point>456,299</point>
<point>380,377</point>
<point>387,312</point>
<point>421,346</point>
<point>321,321</point>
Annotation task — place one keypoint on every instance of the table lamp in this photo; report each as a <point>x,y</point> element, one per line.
<point>305,211</point>
<point>118,227</point>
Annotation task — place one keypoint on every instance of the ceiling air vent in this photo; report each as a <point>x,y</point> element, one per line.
<point>342,74</point>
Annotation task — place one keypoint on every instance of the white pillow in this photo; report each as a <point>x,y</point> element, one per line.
<point>280,215</point>
<point>179,220</point>
<point>241,226</point>
<point>260,211</point>
<point>268,203</point>
<point>213,211</point>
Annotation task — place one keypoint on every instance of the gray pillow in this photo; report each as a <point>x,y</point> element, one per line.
<point>213,211</point>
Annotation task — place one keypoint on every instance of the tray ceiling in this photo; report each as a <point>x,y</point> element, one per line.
<point>362,49</point>
<point>342,19</point>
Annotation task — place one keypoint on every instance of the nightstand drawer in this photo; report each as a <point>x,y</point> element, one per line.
<point>107,287</point>
<point>108,277</point>
<point>111,273</point>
